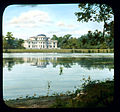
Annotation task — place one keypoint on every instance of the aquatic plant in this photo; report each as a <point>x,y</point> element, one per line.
<point>48,87</point>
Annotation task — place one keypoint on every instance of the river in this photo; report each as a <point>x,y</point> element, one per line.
<point>43,74</point>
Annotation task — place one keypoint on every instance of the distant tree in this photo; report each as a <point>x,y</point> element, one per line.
<point>54,37</point>
<point>73,43</point>
<point>60,41</point>
<point>91,40</point>
<point>94,40</point>
<point>20,43</point>
<point>10,40</point>
<point>64,41</point>
<point>5,45</point>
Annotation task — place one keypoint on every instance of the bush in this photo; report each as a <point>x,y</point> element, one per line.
<point>96,94</point>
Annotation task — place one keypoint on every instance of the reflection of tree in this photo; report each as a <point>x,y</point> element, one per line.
<point>94,63</point>
<point>10,65</point>
<point>10,62</point>
<point>88,63</point>
<point>66,62</point>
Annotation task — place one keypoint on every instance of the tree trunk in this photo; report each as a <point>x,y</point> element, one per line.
<point>104,29</point>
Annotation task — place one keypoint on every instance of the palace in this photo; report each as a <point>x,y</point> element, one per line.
<point>40,42</point>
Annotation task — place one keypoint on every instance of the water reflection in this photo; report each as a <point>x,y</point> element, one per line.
<point>10,62</point>
<point>43,62</point>
<point>61,71</point>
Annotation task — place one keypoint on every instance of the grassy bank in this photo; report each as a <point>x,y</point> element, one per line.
<point>58,50</point>
<point>93,94</point>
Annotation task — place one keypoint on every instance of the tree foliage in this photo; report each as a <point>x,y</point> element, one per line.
<point>95,12</point>
<point>10,42</point>
<point>90,40</point>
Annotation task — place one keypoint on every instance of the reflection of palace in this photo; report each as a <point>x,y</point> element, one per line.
<point>41,62</point>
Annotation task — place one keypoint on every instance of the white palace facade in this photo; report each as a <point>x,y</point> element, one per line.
<point>40,42</point>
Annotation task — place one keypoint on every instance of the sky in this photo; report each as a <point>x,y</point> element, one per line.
<point>25,21</point>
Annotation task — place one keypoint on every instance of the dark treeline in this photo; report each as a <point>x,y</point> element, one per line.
<point>10,42</point>
<point>91,40</point>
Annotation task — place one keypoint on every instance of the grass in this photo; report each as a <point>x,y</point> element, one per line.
<point>94,94</point>
<point>58,50</point>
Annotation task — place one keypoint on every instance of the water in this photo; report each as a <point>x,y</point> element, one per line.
<point>46,73</point>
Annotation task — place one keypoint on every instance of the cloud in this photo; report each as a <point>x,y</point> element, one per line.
<point>31,19</point>
<point>74,32</point>
<point>61,24</point>
<point>64,25</point>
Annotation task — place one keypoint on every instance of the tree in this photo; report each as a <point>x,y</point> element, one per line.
<point>54,37</point>
<point>73,43</point>
<point>10,40</point>
<point>95,12</point>
<point>64,41</point>
<point>20,44</point>
<point>5,45</point>
<point>110,28</point>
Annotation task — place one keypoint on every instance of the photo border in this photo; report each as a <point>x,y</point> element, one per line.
<point>5,3</point>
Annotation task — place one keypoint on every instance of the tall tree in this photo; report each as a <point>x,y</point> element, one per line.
<point>20,43</point>
<point>95,12</point>
<point>64,41</point>
<point>10,42</point>
<point>10,39</point>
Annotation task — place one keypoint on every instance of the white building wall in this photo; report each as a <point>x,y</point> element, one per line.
<point>40,42</point>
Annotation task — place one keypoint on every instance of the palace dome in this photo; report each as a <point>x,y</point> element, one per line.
<point>41,35</point>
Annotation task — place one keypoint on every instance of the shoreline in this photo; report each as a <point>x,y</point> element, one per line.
<point>34,102</point>
<point>103,97</point>
<point>58,50</point>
